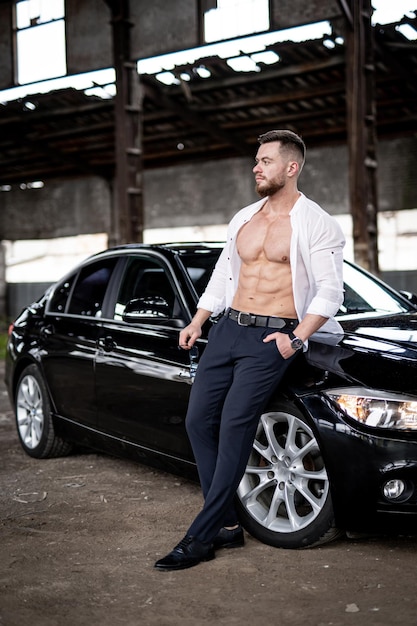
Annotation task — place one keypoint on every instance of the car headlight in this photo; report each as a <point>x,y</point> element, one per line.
<point>380,409</point>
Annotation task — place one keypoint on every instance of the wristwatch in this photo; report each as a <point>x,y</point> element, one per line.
<point>296,342</point>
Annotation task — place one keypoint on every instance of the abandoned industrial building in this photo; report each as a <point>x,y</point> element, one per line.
<point>142,154</point>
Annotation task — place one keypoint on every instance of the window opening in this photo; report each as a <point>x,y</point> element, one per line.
<point>40,40</point>
<point>235,18</point>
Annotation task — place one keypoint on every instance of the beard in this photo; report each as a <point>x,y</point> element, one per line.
<point>264,189</point>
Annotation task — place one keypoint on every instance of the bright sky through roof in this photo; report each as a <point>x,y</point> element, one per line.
<point>390,11</point>
<point>386,12</point>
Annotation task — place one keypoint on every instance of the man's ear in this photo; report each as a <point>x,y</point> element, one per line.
<point>293,168</point>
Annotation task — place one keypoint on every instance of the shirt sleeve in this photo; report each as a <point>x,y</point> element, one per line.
<point>326,262</point>
<point>214,297</point>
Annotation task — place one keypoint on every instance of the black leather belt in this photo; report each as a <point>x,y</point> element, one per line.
<point>267,321</point>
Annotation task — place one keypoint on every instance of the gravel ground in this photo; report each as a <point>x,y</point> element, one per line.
<point>80,535</point>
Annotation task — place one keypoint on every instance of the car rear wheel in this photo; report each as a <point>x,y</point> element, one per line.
<point>284,497</point>
<point>33,417</point>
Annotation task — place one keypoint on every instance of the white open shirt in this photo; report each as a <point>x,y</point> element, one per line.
<point>316,257</point>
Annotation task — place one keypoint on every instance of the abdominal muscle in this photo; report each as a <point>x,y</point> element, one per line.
<point>265,280</point>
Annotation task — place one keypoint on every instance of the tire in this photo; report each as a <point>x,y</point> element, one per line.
<point>284,497</point>
<point>34,418</point>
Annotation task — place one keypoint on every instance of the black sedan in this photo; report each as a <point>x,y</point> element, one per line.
<point>95,362</point>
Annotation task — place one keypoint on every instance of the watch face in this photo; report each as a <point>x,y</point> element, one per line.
<point>296,343</point>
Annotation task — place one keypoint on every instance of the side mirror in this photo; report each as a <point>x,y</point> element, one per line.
<point>148,307</point>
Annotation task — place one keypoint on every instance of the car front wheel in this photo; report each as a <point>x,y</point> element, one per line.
<point>33,417</point>
<point>284,497</point>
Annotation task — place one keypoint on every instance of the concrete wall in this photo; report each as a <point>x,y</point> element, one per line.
<point>61,208</point>
<point>212,192</point>
<point>200,195</point>
<point>197,195</point>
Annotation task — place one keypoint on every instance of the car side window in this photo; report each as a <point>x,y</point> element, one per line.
<point>88,294</point>
<point>146,292</point>
<point>59,299</point>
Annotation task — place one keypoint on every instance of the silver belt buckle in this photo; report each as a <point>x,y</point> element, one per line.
<point>243,323</point>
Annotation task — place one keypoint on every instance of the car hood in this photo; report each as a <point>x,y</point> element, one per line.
<point>378,352</point>
<point>388,329</point>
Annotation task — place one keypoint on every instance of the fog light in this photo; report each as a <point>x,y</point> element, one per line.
<point>393,489</point>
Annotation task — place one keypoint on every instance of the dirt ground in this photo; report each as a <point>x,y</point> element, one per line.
<point>80,535</point>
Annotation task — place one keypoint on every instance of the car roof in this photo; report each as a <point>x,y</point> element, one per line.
<point>180,248</point>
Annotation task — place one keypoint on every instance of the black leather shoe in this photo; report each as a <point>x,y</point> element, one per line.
<point>229,538</point>
<point>187,553</point>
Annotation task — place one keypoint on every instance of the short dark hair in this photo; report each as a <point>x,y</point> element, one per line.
<point>287,139</point>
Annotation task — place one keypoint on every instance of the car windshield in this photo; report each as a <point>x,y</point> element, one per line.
<point>367,296</point>
<point>199,265</point>
<point>364,294</point>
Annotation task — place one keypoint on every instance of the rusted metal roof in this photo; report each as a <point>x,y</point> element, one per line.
<point>70,134</point>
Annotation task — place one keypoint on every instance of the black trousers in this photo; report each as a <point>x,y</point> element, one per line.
<point>235,378</point>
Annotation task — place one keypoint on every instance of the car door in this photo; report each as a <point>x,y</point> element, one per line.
<point>143,378</point>
<point>70,337</point>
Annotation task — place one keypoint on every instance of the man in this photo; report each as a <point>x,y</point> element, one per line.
<point>277,281</point>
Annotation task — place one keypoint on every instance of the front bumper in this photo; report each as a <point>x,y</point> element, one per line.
<point>359,464</point>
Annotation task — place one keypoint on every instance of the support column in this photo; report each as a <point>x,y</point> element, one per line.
<point>128,220</point>
<point>361,132</point>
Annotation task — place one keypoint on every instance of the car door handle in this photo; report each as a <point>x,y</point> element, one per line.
<point>106,343</point>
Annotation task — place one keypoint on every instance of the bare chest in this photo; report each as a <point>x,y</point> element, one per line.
<point>265,239</point>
